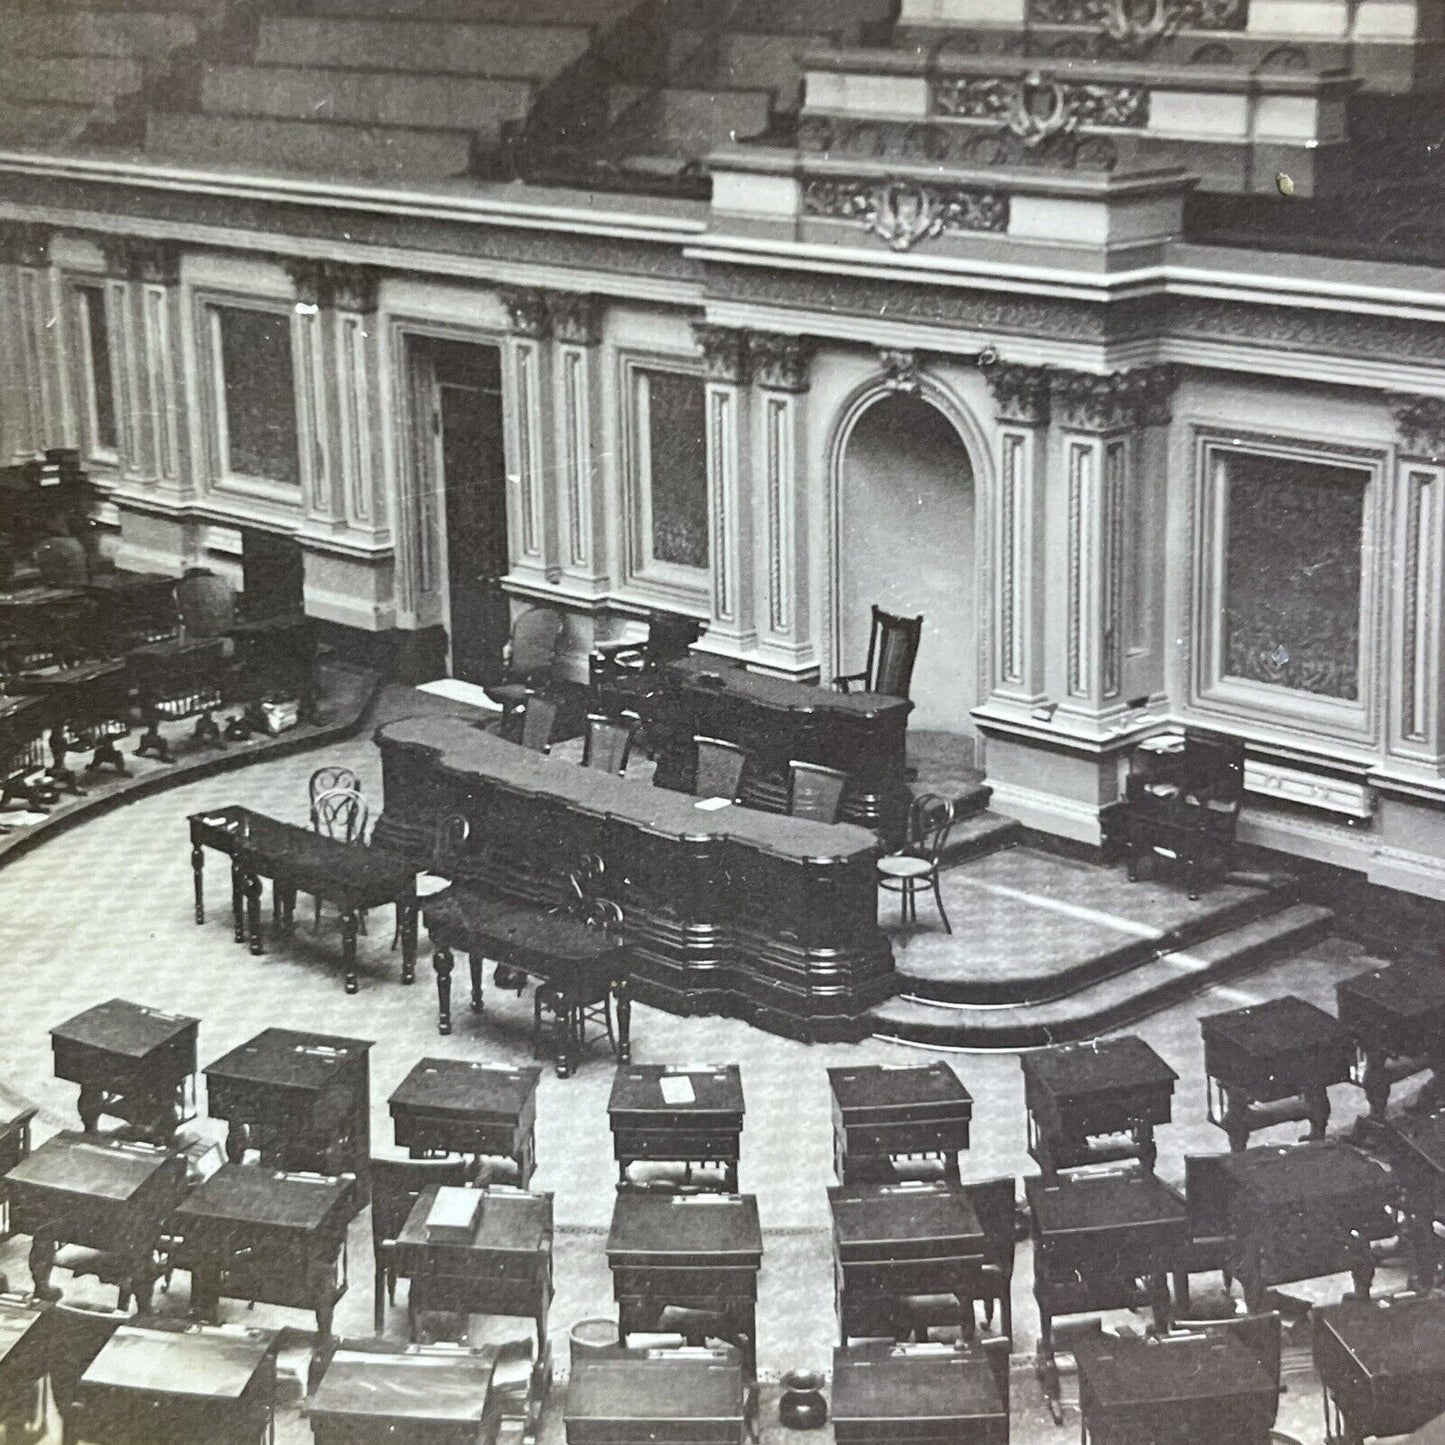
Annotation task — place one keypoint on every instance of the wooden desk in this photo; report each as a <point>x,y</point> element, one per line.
<point>132,1063</point>
<point>1396,1016</point>
<point>863,734</point>
<point>576,964</point>
<point>24,722</point>
<point>883,1112</point>
<point>1382,1365</point>
<point>699,1252</point>
<point>1415,1149</point>
<point>176,680</point>
<point>425,1396</point>
<point>16,1116</point>
<point>302,1101</point>
<point>276,658</point>
<point>891,1240</point>
<point>89,710</point>
<point>1273,1063</point>
<point>1103,1241</point>
<point>453,1106</point>
<point>637,1397</point>
<point>1299,1211</point>
<point>46,626</point>
<point>1077,1092</point>
<point>134,608</point>
<point>926,1395</point>
<point>254,1233</point>
<point>504,1269</point>
<point>684,1115</point>
<point>170,1387</point>
<point>103,1194</point>
<point>24,1363</point>
<point>768,918</point>
<point>1200,1389</point>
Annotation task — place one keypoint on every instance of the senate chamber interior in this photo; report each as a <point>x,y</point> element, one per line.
<point>720,720</point>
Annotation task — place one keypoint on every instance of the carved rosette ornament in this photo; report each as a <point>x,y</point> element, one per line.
<point>900,369</point>
<point>1421,420</point>
<point>24,244</point>
<point>781,363</point>
<point>904,213</point>
<point>576,317</point>
<point>725,356</point>
<point>1021,394</point>
<point>527,311</point>
<point>1116,401</point>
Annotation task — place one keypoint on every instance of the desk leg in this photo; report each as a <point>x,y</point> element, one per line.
<point>624,1021</point>
<point>1236,1118</point>
<point>1317,1102</point>
<point>349,925</point>
<point>526,1158</point>
<point>406,909</point>
<point>1376,1083</point>
<point>206,1293</point>
<point>198,879</point>
<point>1148,1150</point>
<point>474,967</point>
<point>1362,1266</point>
<point>238,1138</point>
<point>238,902</point>
<point>90,1106</point>
<point>43,1248</point>
<point>252,885</point>
<point>442,963</point>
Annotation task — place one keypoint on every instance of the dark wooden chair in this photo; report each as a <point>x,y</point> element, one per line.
<point>1206,1204</point>
<point>207,605</point>
<point>720,768</point>
<point>916,864</point>
<point>539,720</point>
<point>892,650</point>
<point>61,562</point>
<point>627,677</point>
<point>815,792</point>
<point>396,1184</point>
<point>529,659</point>
<point>75,1337</point>
<point>607,743</point>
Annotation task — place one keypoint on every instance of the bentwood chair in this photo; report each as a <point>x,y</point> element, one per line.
<point>815,792</point>
<point>342,814</point>
<point>607,743</point>
<point>328,780</point>
<point>892,650</point>
<point>916,865</point>
<point>396,1185</point>
<point>539,719</point>
<point>720,768</point>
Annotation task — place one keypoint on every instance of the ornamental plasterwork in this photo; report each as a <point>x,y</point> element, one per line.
<point>576,317</point>
<point>1421,420</point>
<point>1165,16</point>
<point>724,353</point>
<point>1118,400</point>
<point>939,143</point>
<point>1036,107</point>
<point>1021,394</point>
<point>336,284</point>
<point>904,213</point>
<point>527,310</point>
<point>140,258</point>
<point>24,244</point>
<point>780,363</point>
<point>900,369</point>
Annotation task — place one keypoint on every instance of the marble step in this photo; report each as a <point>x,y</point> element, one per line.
<point>1108,1003</point>
<point>978,832</point>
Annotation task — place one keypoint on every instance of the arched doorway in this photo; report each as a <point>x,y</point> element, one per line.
<point>906,541</point>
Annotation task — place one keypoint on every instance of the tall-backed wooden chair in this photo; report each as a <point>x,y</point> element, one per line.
<point>892,651</point>
<point>815,792</point>
<point>396,1185</point>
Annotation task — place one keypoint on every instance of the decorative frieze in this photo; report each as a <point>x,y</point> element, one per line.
<point>1123,20</point>
<point>142,258</point>
<point>576,317</point>
<point>1021,394</point>
<point>23,243</point>
<point>725,355</point>
<point>945,144</point>
<point>528,313</point>
<point>1115,401</point>
<point>904,213</point>
<point>781,363</point>
<point>1036,106</point>
<point>337,285</point>
<point>1421,420</point>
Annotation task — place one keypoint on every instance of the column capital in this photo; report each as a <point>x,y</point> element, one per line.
<point>339,285</point>
<point>576,316</point>
<point>1021,394</point>
<point>1115,401</point>
<point>24,243</point>
<point>725,355</point>
<point>781,362</point>
<point>143,258</point>
<point>527,311</point>
<point>1421,422</point>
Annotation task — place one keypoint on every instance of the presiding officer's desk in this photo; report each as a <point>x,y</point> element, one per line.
<point>734,911</point>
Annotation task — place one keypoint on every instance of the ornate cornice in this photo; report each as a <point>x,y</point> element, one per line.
<point>900,369</point>
<point>335,284</point>
<point>576,317</point>
<point>142,258</point>
<point>781,363</point>
<point>1021,394</point>
<point>725,354</point>
<point>527,311</point>
<point>903,213</point>
<point>1421,420</point>
<point>1117,401</point>
<point>23,243</point>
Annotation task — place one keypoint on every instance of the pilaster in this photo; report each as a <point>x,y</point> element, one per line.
<point>527,385</point>
<point>34,405</point>
<point>576,323</point>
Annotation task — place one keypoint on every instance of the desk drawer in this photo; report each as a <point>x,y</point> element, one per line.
<point>712,1283</point>
<point>672,1144</point>
<point>917,1276</point>
<point>937,1137</point>
<point>456,1136</point>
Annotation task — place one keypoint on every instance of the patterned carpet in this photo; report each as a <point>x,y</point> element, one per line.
<point>105,910</point>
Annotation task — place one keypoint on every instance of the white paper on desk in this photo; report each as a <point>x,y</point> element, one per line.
<point>430,883</point>
<point>677,1089</point>
<point>711,805</point>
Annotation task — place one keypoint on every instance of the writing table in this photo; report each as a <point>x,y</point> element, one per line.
<point>24,1363</point>
<point>178,1387</point>
<point>89,709</point>
<point>254,1233</point>
<point>505,1268</point>
<point>1272,1063</point>
<point>699,1252</point>
<point>1076,1093</point>
<point>301,1100</point>
<point>677,1114</point>
<point>1415,1148</point>
<point>425,1395</point>
<point>100,1193</point>
<point>132,1063</point>
<point>1396,1016</point>
<point>761,916</point>
<point>44,626</point>
<point>576,966</point>
<point>924,1394</point>
<point>456,1106</point>
<point>134,608</point>
<point>1382,1365</point>
<point>176,680</point>
<point>1299,1211</point>
<point>24,722</point>
<point>638,1397</point>
<point>1193,1389</point>
<point>891,1240</point>
<point>882,1112</point>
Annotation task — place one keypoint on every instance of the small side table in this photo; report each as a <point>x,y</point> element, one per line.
<point>680,1115</point>
<point>882,1113</point>
<point>1077,1094</point>
<point>132,1063</point>
<point>1272,1063</point>
<point>1396,1016</point>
